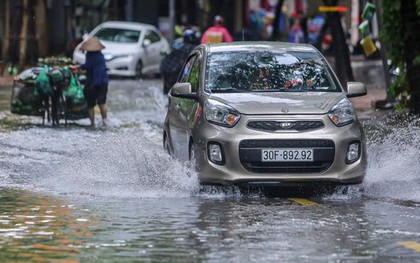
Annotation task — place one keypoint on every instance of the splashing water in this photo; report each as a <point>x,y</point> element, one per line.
<point>122,165</point>
<point>393,173</point>
<point>393,158</point>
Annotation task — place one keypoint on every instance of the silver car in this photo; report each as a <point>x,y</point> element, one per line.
<point>265,113</point>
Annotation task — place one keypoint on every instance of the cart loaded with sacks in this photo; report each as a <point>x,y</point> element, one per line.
<point>54,93</point>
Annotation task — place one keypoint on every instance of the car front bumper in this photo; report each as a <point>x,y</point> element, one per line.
<point>123,66</point>
<point>236,171</point>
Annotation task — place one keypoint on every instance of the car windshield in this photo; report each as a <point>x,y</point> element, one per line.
<point>118,35</point>
<point>268,71</point>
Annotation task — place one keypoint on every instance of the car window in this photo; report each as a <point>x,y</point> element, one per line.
<point>118,35</point>
<point>253,71</point>
<point>194,76</point>
<point>186,70</point>
<point>152,36</point>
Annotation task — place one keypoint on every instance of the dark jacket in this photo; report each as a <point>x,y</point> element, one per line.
<point>172,64</point>
<point>95,67</point>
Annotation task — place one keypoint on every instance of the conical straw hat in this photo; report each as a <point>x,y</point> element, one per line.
<point>92,44</point>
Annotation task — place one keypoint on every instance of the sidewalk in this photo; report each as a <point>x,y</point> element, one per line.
<point>371,73</point>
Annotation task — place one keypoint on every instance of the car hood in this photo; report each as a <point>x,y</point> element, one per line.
<point>119,48</point>
<point>281,103</point>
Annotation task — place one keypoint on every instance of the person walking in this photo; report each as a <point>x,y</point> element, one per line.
<point>96,87</point>
<point>217,33</point>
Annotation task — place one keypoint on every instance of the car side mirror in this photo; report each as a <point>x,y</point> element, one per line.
<point>146,43</point>
<point>183,90</point>
<point>356,89</point>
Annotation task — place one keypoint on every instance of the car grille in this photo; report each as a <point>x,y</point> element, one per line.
<point>250,156</point>
<point>299,126</point>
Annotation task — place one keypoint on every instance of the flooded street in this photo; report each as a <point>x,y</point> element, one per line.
<point>71,194</point>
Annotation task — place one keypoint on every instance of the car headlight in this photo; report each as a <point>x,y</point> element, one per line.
<point>342,113</point>
<point>220,114</point>
<point>109,57</point>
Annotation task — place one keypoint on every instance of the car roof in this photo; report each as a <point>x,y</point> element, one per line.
<point>126,25</point>
<point>258,46</point>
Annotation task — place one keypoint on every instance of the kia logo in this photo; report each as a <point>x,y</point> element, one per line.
<point>286,125</point>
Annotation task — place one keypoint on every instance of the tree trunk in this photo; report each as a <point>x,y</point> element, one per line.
<point>340,48</point>
<point>15,29</point>
<point>410,25</point>
<point>32,44</point>
<point>41,28</point>
<point>23,37</point>
<point>6,37</point>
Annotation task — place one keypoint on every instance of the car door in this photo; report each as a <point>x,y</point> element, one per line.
<point>182,110</point>
<point>152,44</point>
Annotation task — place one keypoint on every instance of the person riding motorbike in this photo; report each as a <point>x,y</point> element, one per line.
<point>172,64</point>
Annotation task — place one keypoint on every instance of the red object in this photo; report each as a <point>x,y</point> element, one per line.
<point>299,6</point>
<point>265,5</point>
<point>292,83</point>
<point>217,29</point>
<point>342,9</point>
<point>327,40</point>
<point>294,15</point>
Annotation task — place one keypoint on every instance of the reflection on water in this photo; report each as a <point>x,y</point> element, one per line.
<point>37,228</point>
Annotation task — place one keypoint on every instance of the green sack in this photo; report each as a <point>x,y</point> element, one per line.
<point>56,75</point>
<point>74,92</point>
<point>43,84</point>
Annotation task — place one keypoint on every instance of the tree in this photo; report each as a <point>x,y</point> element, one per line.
<point>401,20</point>
<point>24,27</point>
<point>340,48</point>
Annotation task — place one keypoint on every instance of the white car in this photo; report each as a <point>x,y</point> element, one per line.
<point>131,49</point>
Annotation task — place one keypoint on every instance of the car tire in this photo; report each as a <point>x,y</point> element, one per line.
<point>138,70</point>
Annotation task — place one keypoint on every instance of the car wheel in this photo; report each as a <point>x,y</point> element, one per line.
<point>139,69</point>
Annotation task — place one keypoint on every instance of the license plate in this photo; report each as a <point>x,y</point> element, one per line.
<point>287,155</point>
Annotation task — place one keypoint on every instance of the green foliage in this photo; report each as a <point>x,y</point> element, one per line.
<point>393,37</point>
<point>399,89</point>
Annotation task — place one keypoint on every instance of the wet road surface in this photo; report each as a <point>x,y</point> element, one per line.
<point>71,194</point>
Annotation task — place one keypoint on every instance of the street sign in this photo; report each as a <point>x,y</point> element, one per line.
<point>337,8</point>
